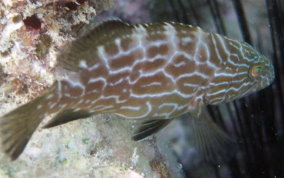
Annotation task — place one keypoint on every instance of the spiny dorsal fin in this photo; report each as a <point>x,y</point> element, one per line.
<point>150,127</point>
<point>109,25</point>
<point>85,48</point>
<point>67,116</point>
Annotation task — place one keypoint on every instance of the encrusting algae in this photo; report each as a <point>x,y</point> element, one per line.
<point>154,72</point>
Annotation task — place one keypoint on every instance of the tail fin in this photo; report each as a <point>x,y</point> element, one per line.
<point>17,127</point>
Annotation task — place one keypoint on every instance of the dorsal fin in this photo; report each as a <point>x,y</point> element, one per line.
<point>110,25</point>
<point>83,50</point>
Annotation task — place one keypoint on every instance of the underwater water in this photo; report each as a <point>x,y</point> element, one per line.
<point>255,122</point>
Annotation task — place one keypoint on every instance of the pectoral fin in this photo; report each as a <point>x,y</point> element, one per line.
<point>210,140</point>
<point>150,127</point>
<point>67,116</point>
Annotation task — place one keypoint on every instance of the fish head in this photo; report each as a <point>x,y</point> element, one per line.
<point>244,72</point>
<point>260,71</point>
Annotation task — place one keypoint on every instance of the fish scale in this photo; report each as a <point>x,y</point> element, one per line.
<point>146,71</point>
<point>151,82</point>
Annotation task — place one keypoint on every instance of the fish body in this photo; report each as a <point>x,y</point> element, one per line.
<point>159,71</point>
<point>146,71</point>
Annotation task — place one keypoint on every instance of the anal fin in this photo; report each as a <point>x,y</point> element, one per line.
<point>150,127</point>
<point>67,116</point>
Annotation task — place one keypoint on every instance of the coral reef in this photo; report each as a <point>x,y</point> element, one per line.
<point>31,34</point>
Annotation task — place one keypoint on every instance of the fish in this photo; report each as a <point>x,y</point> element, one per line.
<point>151,72</point>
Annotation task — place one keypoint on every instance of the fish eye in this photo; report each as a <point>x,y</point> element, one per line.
<point>256,70</point>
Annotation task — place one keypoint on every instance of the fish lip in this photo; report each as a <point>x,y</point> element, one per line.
<point>272,74</point>
<point>270,77</point>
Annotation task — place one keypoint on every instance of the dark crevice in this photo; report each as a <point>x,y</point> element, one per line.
<point>32,22</point>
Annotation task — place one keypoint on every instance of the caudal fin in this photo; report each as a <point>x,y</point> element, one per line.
<point>17,127</point>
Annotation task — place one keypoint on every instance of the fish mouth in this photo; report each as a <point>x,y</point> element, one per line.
<point>272,74</point>
<point>268,78</point>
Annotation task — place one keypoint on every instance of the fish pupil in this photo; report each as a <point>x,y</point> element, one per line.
<point>256,70</point>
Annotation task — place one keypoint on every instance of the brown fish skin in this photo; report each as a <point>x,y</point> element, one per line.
<point>149,71</point>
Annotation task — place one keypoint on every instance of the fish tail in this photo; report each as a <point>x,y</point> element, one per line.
<point>17,127</point>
